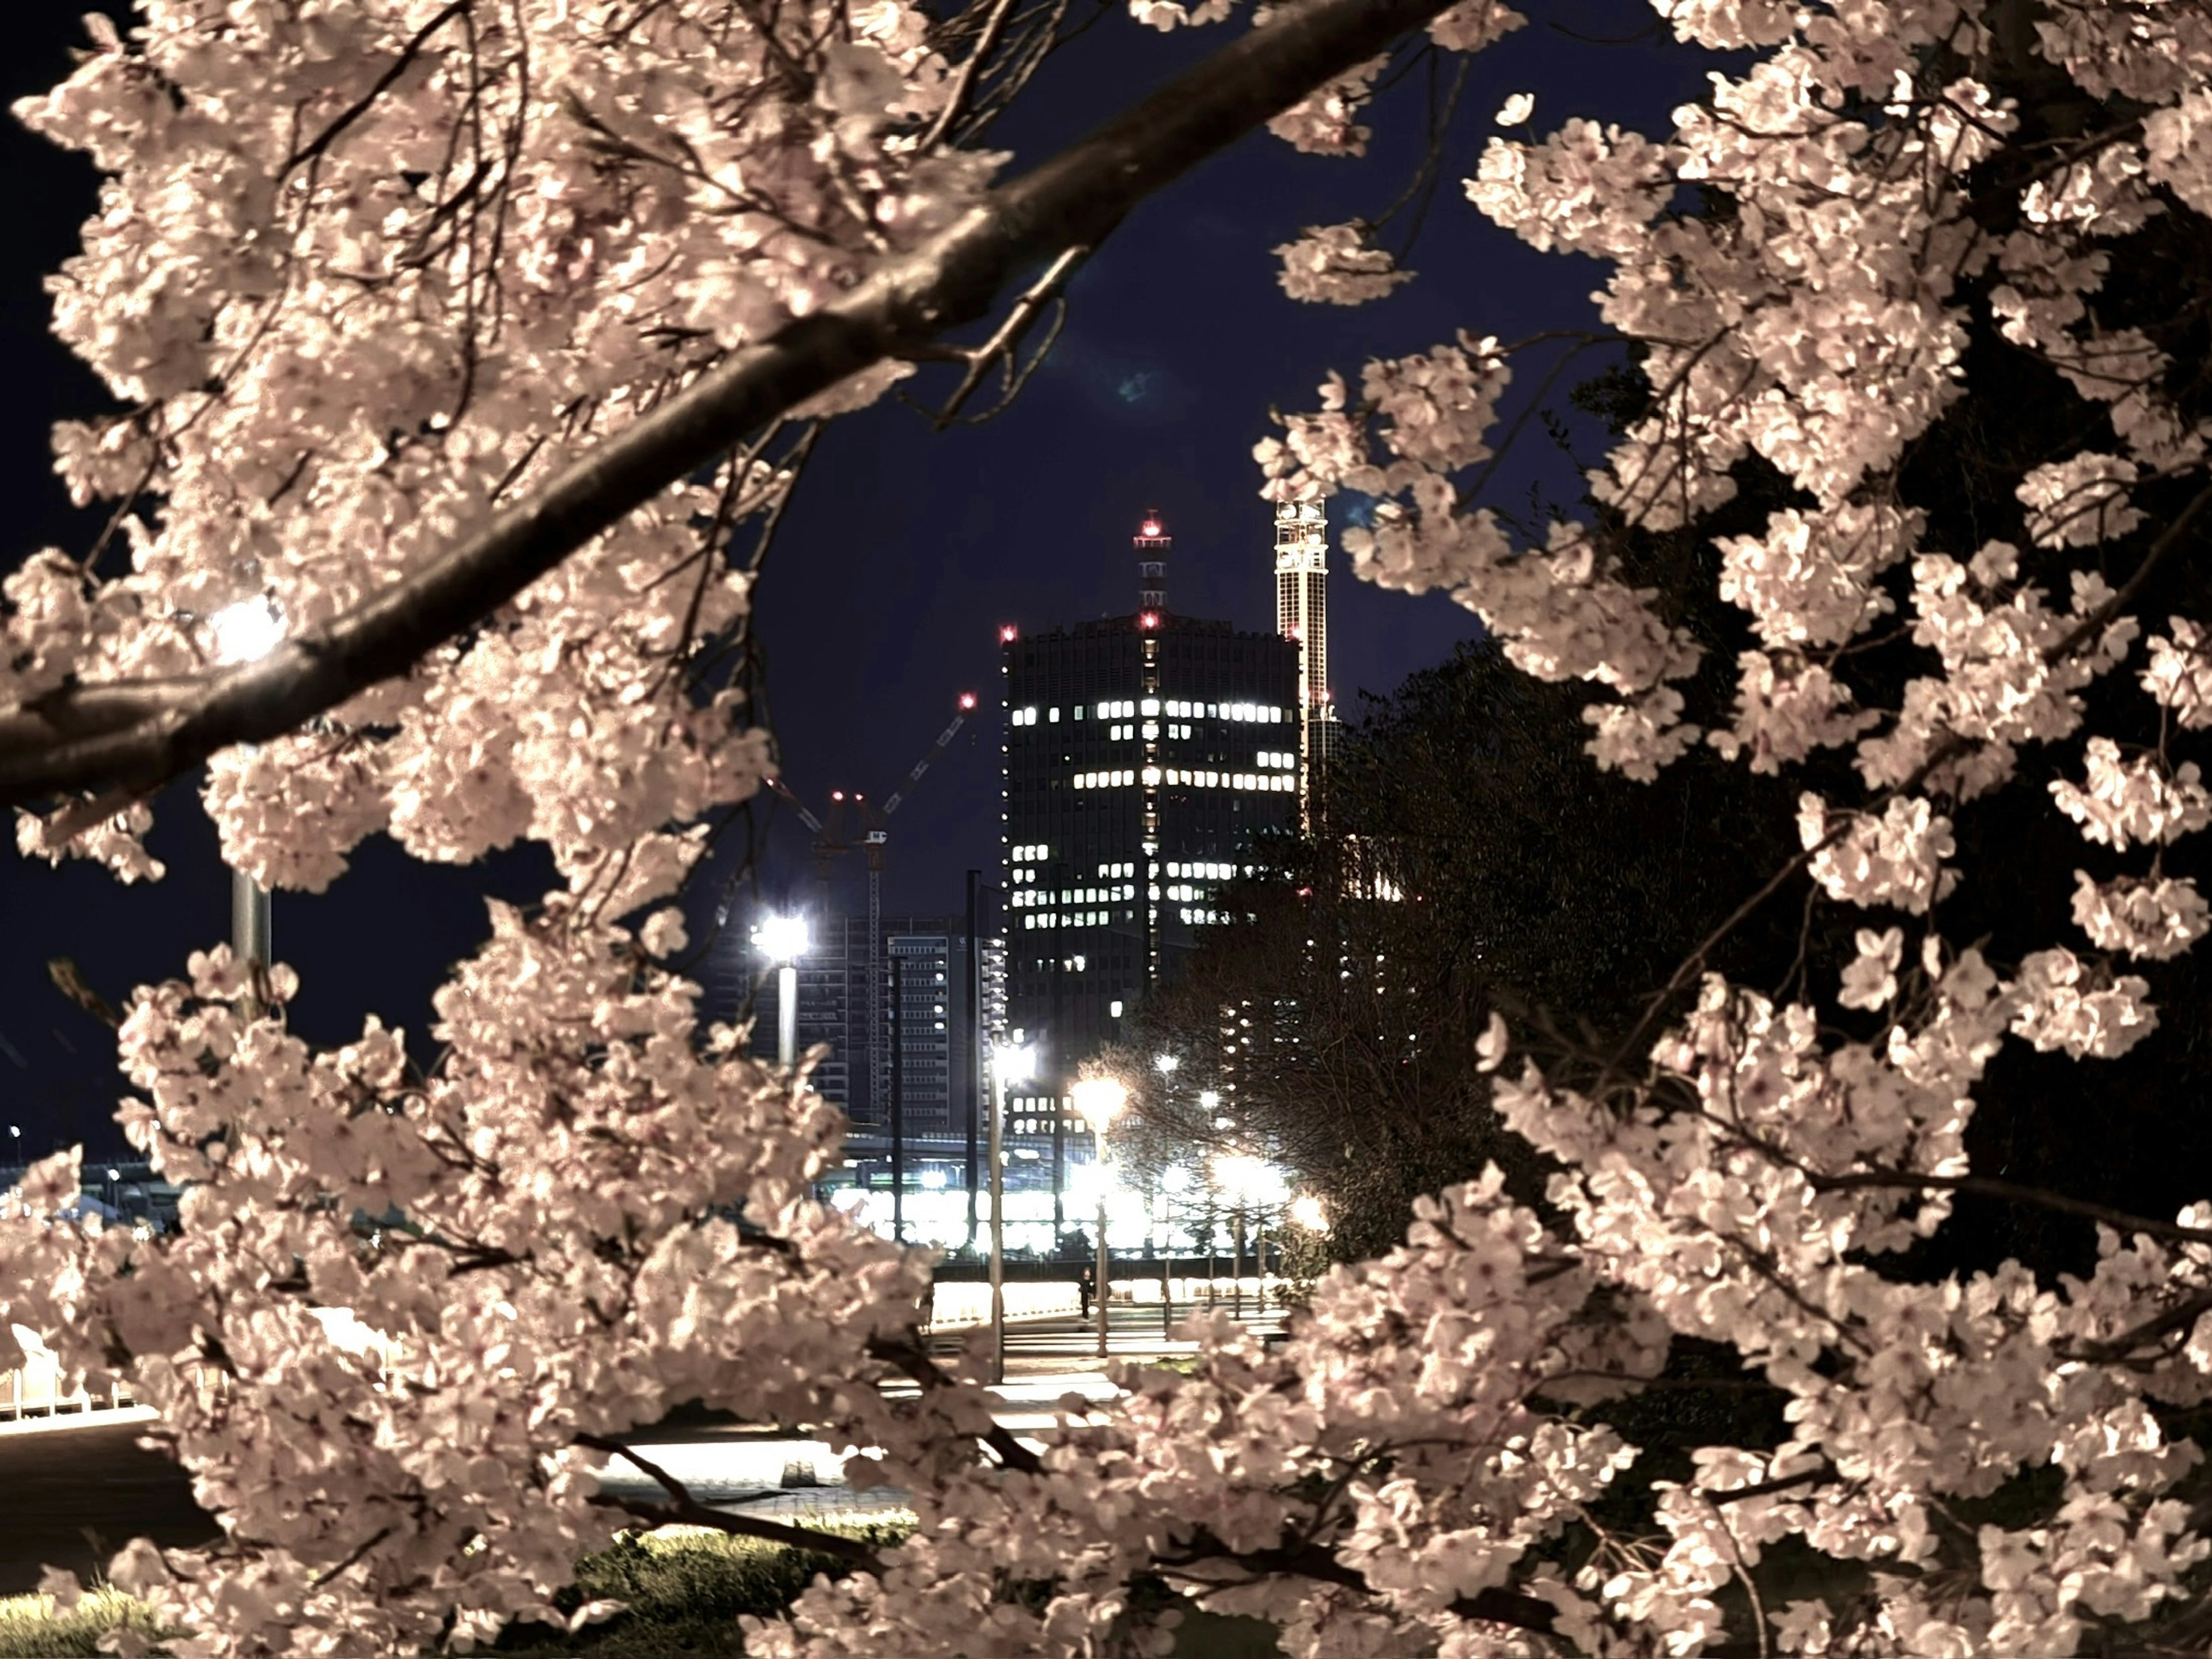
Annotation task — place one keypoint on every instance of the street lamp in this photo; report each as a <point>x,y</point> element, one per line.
<point>1008,1065</point>
<point>1167,1063</point>
<point>243,633</point>
<point>782,940</point>
<point>1098,1101</point>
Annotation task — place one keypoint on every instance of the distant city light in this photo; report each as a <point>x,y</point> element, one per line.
<point>1167,1062</point>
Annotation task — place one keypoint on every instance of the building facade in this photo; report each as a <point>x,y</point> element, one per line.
<point>921,1011</point>
<point>1148,757</point>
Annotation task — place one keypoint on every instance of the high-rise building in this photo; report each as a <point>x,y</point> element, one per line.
<point>921,1011</point>
<point>1301,616</point>
<point>1147,755</point>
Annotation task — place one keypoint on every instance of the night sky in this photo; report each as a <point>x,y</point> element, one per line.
<point>903,550</point>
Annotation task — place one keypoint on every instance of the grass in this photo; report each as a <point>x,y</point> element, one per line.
<point>31,1627</point>
<point>685,1587</point>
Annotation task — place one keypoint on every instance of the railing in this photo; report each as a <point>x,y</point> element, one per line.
<point>33,1388</point>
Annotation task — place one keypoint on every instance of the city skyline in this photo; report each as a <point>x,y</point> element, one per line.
<point>901,553</point>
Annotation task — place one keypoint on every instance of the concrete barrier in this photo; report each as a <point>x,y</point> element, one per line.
<point>1224,1289</point>
<point>965,1304</point>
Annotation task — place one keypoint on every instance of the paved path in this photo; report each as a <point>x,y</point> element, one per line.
<point>78,1490</point>
<point>75,1494</point>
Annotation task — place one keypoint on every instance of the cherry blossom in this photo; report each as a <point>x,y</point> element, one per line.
<point>1333,264</point>
<point>412,1309</point>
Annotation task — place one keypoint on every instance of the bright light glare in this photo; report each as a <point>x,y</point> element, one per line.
<point>1014,1062</point>
<point>1209,1099</point>
<point>1249,1180</point>
<point>1167,1062</point>
<point>781,938</point>
<point>246,631</point>
<point>1310,1213</point>
<point>1099,1101</point>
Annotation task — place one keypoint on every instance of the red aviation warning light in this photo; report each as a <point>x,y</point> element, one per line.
<point>1148,619</point>
<point>967,701</point>
<point>1150,528</point>
<point>1006,633</point>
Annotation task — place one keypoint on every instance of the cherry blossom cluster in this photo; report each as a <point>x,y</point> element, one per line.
<point>359,277</point>
<point>363,271</point>
<point>399,1307</point>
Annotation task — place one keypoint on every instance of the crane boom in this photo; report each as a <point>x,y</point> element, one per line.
<point>943,742</point>
<point>796,804</point>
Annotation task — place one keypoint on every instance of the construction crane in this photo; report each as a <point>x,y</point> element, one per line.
<point>832,838</point>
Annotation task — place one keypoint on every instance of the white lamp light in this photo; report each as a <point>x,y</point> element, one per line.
<point>781,938</point>
<point>1099,1101</point>
<point>246,631</point>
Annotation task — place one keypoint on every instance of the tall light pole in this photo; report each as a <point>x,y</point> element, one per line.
<point>243,633</point>
<point>1008,1065</point>
<point>782,940</point>
<point>1099,1101</point>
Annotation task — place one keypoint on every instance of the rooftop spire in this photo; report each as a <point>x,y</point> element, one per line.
<point>1152,542</point>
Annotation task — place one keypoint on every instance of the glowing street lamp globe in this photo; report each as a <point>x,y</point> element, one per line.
<point>1099,1101</point>
<point>781,938</point>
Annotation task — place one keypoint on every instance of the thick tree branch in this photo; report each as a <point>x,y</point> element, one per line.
<point>1073,200</point>
<point>914,1361</point>
<point>683,1507</point>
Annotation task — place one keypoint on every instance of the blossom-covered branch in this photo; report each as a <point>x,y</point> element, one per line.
<point>106,736</point>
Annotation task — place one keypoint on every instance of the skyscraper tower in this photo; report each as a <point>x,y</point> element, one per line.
<point>1301,616</point>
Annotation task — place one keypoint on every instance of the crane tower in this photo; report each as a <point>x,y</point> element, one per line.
<point>873,840</point>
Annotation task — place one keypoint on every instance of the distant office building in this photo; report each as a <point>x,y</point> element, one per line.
<point>921,1014</point>
<point>1145,757</point>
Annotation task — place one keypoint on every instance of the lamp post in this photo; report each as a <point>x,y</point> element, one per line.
<point>243,633</point>
<point>1099,1100</point>
<point>782,940</point>
<point>1008,1065</point>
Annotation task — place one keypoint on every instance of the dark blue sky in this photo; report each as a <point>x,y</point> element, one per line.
<point>904,549</point>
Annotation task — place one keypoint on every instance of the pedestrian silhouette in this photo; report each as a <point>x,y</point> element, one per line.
<point>1086,1287</point>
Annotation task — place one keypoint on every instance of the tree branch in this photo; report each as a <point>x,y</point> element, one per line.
<point>683,1507</point>
<point>913,1360</point>
<point>1073,200</point>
